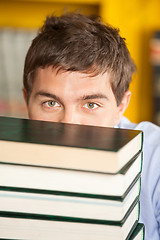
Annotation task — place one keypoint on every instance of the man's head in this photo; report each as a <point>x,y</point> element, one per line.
<point>77,56</point>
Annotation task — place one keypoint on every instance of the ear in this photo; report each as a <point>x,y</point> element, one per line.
<point>125,102</point>
<point>25,95</point>
<point>123,105</point>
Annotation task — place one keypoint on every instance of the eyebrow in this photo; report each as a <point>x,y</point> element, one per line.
<point>83,98</point>
<point>49,95</point>
<point>94,96</point>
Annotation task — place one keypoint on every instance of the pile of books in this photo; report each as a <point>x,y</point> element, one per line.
<point>68,181</point>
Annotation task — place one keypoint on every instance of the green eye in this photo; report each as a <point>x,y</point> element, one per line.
<point>51,103</point>
<point>91,105</point>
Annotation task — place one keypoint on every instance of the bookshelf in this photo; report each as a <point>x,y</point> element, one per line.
<point>155,62</point>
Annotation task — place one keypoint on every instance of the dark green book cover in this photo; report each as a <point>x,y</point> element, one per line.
<point>138,231</point>
<point>79,144</point>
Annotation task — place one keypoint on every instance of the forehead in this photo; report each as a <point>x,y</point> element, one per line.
<point>50,76</point>
<point>71,85</point>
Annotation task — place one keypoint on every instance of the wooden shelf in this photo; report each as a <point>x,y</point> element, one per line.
<point>31,13</point>
<point>91,2</point>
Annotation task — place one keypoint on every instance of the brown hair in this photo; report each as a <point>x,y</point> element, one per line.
<point>74,42</point>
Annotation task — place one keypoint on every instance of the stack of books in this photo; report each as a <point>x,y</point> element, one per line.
<point>68,181</point>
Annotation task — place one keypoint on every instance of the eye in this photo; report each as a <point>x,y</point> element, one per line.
<point>51,104</point>
<point>91,105</point>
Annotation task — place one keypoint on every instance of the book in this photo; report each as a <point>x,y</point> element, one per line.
<point>138,233</point>
<point>67,204</point>
<point>30,177</point>
<point>34,226</point>
<point>67,146</point>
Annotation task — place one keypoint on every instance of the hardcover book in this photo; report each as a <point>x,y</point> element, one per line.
<point>38,226</point>
<point>67,146</point>
<point>138,233</point>
<point>30,177</point>
<point>67,204</point>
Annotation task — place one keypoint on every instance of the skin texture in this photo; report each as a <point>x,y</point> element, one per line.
<point>74,97</point>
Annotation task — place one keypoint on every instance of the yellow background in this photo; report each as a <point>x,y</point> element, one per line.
<point>136,19</point>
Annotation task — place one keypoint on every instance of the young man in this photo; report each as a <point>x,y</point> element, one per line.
<point>78,70</point>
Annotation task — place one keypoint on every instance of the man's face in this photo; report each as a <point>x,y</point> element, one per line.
<point>73,97</point>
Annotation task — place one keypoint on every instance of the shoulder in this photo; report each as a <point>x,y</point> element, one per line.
<point>151,131</point>
<point>151,148</point>
<point>151,142</point>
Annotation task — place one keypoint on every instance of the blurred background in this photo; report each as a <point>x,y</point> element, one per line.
<point>138,21</point>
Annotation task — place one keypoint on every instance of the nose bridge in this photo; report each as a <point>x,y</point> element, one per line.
<point>70,116</point>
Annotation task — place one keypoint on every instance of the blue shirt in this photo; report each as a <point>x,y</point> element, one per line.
<point>150,178</point>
